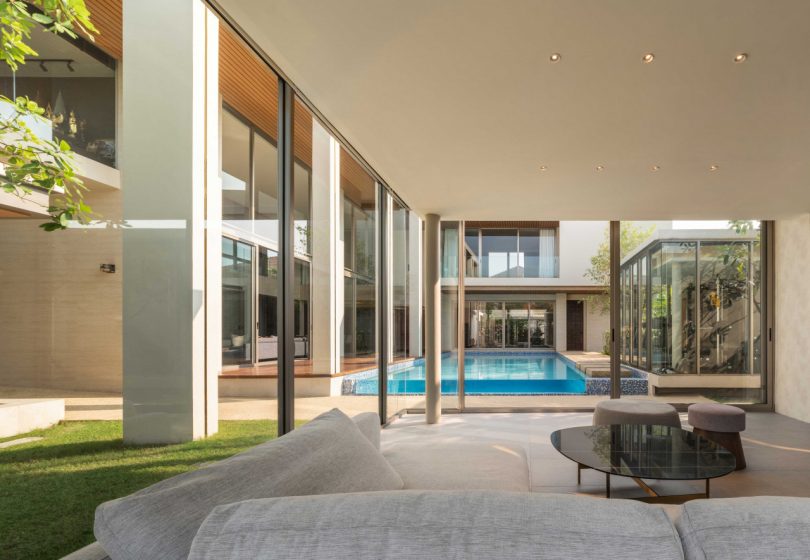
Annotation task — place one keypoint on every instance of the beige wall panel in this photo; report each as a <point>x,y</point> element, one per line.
<point>61,324</point>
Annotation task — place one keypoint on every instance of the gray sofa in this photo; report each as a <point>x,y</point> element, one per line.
<point>327,491</point>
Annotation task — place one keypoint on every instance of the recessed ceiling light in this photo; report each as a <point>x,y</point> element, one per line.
<point>655,167</point>
<point>648,58</point>
<point>543,168</point>
<point>600,167</point>
<point>714,167</point>
<point>741,57</point>
<point>555,57</point>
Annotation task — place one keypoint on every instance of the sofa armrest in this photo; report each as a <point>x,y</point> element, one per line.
<point>369,425</point>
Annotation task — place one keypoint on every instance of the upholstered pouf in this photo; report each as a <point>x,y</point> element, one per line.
<point>721,424</point>
<point>625,411</point>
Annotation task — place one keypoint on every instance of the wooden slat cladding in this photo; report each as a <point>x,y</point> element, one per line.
<point>512,224</point>
<point>247,84</point>
<point>106,15</point>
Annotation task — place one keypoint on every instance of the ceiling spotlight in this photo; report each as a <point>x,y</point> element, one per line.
<point>655,167</point>
<point>741,57</point>
<point>600,167</point>
<point>543,168</point>
<point>555,57</point>
<point>648,58</point>
<point>714,167</point>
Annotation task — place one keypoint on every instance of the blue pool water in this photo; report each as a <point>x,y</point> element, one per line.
<point>488,374</point>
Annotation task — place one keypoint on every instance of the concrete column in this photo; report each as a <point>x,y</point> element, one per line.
<point>433,354</point>
<point>415,284</point>
<point>168,386</point>
<point>325,274</point>
<point>561,322</point>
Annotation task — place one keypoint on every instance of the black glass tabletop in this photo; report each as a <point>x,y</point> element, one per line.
<point>656,452</point>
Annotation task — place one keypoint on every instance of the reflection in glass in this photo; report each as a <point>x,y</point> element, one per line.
<point>237,302</point>
<point>236,142</point>
<point>359,227</point>
<point>724,308</point>
<point>517,325</point>
<point>499,254</point>
<point>265,179</point>
<point>267,336</point>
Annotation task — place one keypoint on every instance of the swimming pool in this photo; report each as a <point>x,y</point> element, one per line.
<point>540,373</point>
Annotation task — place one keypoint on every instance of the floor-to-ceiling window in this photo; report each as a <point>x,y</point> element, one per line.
<point>514,324</point>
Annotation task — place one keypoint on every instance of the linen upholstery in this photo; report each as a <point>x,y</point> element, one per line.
<point>621,411</point>
<point>759,527</point>
<point>460,466</point>
<point>440,525</point>
<point>327,455</point>
<point>369,425</point>
<point>715,417</point>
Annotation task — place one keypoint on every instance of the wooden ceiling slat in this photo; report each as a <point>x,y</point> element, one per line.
<point>107,16</point>
<point>512,224</point>
<point>247,84</point>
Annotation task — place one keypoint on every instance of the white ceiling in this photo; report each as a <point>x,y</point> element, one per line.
<point>456,104</point>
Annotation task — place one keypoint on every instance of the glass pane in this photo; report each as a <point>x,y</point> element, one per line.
<point>267,341</point>
<point>250,213</point>
<point>359,196</point>
<point>404,310</point>
<point>265,177</point>
<point>517,325</point>
<point>235,168</point>
<point>499,253</point>
<point>237,302</point>
<point>77,90</point>
<point>449,313</point>
<point>541,325</point>
<point>472,257</point>
<point>725,315</point>
<point>530,252</point>
<point>643,297</point>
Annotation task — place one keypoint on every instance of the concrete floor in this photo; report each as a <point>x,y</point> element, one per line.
<point>777,450</point>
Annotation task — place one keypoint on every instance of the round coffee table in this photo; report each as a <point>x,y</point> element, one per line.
<point>641,451</point>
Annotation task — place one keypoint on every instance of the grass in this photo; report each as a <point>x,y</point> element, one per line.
<point>49,489</point>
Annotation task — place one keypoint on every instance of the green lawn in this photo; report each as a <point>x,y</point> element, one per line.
<point>49,489</point>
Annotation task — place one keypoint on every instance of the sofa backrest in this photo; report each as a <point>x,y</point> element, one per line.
<point>327,455</point>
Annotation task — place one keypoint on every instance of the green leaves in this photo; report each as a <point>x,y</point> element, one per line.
<point>31,162</point>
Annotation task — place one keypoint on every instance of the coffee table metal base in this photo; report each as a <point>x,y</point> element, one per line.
<point>652,496</point>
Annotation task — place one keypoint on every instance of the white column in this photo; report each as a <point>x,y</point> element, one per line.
<point>166,385</point>
<point>561,322</point>
<point>433,354</point>
<point>415,284</point>
<point>326,271</point>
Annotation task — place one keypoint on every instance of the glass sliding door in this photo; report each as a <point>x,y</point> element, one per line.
<point>405,309</point>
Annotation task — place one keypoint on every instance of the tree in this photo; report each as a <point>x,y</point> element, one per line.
<point>32,162</point>
<point>632,236</point>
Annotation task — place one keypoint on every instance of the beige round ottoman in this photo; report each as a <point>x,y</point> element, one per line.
<point>621,411</point>
<point>722,424</point>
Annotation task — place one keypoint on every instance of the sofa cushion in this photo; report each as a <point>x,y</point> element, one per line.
<point>327,455</point>
<point>760,527</point>
<point>369,425</point>
<point>460,466</point>
<point>435,524</point>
